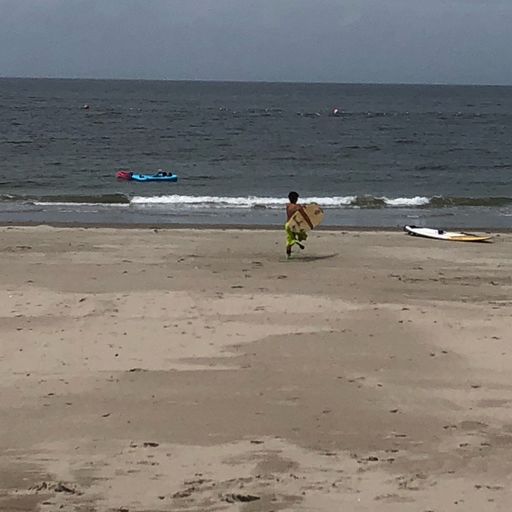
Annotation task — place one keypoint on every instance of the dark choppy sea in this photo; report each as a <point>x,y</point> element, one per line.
<point>436,156</point>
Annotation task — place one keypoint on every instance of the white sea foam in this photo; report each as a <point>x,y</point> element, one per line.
<point>406,201</point>
<point>227,202</point>
<point>64,203</point>
<point>238,202</point>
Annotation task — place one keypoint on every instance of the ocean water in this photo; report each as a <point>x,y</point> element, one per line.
<point>437,156</point>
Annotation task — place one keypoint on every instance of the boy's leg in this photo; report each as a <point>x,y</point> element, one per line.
<point>300,237</point>
<point>290,240</point>
<point>293,239</point>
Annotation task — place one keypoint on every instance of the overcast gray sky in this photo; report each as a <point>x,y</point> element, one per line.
<point>398,41</point>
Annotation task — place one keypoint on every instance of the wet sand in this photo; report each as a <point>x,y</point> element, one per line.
<point>155,370</point>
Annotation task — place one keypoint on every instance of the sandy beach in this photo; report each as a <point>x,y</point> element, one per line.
<point>146,370</point>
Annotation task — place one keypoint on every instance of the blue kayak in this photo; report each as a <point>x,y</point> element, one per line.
<point>154,177</point>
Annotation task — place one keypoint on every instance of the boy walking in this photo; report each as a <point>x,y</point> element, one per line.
<point>291,237</point>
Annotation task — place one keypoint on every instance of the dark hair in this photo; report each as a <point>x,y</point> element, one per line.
<point>293,196</point>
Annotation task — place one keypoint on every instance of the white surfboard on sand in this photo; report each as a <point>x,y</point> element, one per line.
<point>441,234</point>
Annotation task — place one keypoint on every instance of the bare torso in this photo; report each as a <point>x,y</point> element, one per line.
<point>291,209</point>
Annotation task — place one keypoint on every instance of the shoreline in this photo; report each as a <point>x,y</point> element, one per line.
<point>228,227</point>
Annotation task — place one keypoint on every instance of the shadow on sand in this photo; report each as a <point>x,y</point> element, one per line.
<point>299,258</point>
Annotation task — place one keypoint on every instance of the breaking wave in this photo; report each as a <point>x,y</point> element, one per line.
<point>264,202</point>
<point>364,201</point>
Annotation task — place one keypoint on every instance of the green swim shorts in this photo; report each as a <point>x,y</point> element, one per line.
<point>294,238</point>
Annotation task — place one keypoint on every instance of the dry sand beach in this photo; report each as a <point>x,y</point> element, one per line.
<point>198,370</point>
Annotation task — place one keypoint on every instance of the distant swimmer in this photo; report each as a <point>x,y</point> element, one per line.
<point>336,112</point>
<point>85,107</point>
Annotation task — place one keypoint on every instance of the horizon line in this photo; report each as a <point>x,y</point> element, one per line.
<point>297,82</point>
